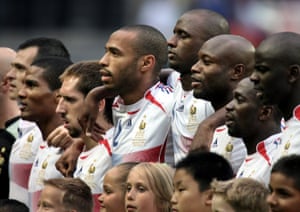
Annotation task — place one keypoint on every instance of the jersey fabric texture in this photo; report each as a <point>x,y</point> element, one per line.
<point>141,128</point>
<point>43,168</point>
<point>188,112</point>
<point>291,135</point>
<point>258,165</point>
<point>93,164</point>
<point>22,155</point>
<point>231,148</point>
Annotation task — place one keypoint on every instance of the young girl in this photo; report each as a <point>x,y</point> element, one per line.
<point>149,188</point>
<point>114,188</point>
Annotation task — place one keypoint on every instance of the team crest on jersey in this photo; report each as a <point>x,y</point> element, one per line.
<point>193,110</point>
<point>25,152</point>
<point>89,177</point>
<point>228,150</point>
<point>41,175</point>
<point>229,147</point>
<point>139,138</point>
<point>192,119</point>
<point>286,148</point>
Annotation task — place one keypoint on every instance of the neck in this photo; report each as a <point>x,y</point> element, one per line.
<point>186,82</point>
<point>49,125</point>
<point>89,143</point>
<point>260,135</point>
<point>220,101</point>
<point>287,105</point>
<point>132,96</point>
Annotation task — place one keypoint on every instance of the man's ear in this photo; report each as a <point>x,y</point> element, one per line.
<point>101,105</point>
<point>238,72</point>
<point>4,86</point>
<point>208,197</point>
<point>57,96</point>
<point>294,71</point>
<point>265,112</point>
<point>148,62</point>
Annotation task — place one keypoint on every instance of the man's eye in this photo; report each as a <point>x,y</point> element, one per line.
<point>261,69</point>
<point>240,99</point>
<point>183,35</point>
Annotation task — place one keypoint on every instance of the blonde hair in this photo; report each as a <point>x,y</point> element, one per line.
<point>160,178</point>
<point>242,194</point>
<point>123,171</point>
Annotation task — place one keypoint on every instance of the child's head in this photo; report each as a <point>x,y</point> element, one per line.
<point>114,188</point>
<point>66,194</point>
<point>239,195</point>
<point>193,176</point>
<point>285,184</point>
<point>12,205</point>
<point>149,187</point>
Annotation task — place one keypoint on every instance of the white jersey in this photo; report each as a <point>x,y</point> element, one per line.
<point>21,158</point>
<point>231,148</point>
<point>141,128</point>
<point>43,168</point>
<point>187,114</point>
<point>291,136</point>
<point>259,164</point>
<point>92,166</point>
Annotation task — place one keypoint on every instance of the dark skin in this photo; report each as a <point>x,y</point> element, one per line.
<point>223,61</point>
<point>245,110</point>
<point>277,71</point>
<point>192,29</point>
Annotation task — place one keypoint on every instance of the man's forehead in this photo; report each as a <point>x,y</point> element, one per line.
<point>35,71</point>
<point>26,56</point>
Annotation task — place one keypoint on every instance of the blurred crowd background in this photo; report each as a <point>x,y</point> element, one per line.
<point>84,25</point>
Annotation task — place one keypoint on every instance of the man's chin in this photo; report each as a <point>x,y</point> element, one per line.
<point>74,133</point>
<point>199,95</point>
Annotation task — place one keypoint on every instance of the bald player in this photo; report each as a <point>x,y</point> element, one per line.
<point>8,110</point>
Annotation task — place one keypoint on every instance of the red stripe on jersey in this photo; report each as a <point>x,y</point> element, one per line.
<point>297,112</point>
<point>106,145</point>
<point>115,105</point>
<point>20,174</point>
<point>83,157</point>
<point>133,112</point>
<point>149,155</point>
<point>248,159</point>
<point>220,129</point>
<point>261,148</point>
<point>42,146</point>
<point>153,100</point>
